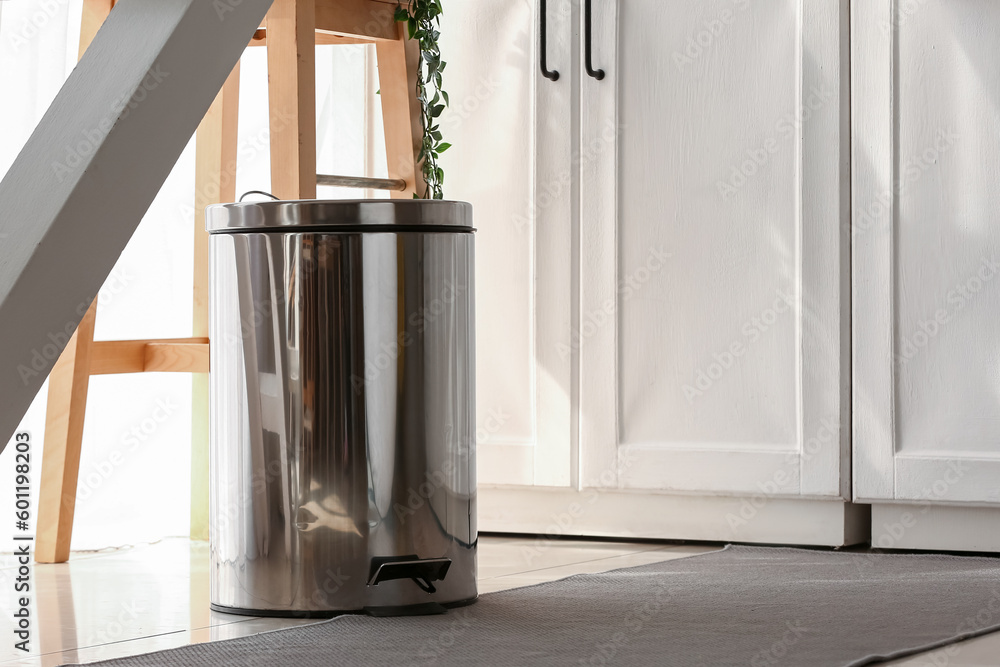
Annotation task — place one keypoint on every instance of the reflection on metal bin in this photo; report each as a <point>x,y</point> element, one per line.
<point>343,470</point>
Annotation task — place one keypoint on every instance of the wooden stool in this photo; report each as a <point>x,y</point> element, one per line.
<point>291,32</point>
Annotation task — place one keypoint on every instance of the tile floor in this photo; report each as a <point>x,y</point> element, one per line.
<point>147,598</point>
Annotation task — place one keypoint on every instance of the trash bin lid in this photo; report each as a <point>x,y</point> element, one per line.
<point>341,216</point>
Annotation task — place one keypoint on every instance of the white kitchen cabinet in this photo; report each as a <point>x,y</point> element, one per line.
<point>512,160</point>
<point>926,258</point>
<point>682,293</point>
<point>713,227</point>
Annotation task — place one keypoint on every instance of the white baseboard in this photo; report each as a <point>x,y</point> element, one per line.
<point>937,527</point>
<point>643,515</point>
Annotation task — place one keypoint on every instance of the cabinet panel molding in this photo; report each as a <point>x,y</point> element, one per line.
<point>926,250</point>
<point>718,363</point>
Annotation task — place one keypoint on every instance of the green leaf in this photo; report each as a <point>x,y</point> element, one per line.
<point>423,19</point>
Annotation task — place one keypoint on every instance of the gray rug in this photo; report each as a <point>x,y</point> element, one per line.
<point>747,606</point>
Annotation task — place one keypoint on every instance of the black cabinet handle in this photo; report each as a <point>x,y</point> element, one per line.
<point>550,75</point>
<point>589,39</point>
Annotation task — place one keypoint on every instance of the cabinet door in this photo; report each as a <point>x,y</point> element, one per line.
<point>712,331</point>
<point>511,159</point>
<point>927,254</point>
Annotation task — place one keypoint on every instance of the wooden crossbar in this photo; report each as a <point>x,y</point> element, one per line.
<point>322,39</point>
<point>391,184</point>
<point>366,19</point>
<point>181,355</point>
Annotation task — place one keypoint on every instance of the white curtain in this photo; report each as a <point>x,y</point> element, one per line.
<point>134,483</point>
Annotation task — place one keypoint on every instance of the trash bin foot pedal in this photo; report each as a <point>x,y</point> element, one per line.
<point>423,571</point>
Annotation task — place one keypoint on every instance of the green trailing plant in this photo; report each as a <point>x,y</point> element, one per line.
<point>423,19</point>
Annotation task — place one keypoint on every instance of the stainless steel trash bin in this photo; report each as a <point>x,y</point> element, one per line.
<point>343,472</point>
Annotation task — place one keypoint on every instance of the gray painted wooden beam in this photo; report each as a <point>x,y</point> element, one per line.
<point>78,189</point>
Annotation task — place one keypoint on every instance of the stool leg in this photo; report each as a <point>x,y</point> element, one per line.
<point>69,382</point>
<point>94,13</point>
<point>68,385</point>
<point>401,114</point>
<point>291,80</point>
<point>215,182</point>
